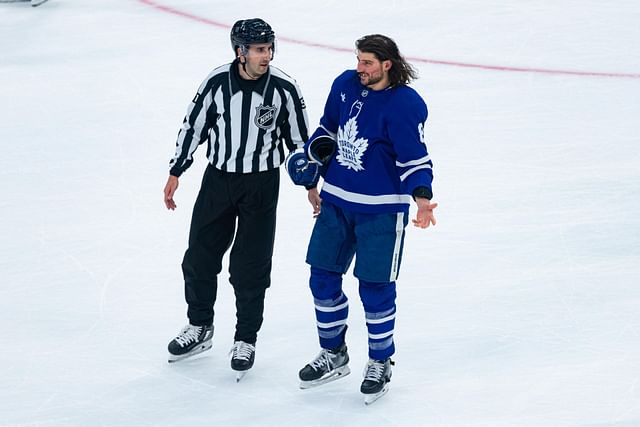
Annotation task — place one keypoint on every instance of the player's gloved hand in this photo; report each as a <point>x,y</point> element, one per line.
<point>301,170</point>
<point>321,149</point>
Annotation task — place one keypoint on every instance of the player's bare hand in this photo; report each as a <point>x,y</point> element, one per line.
<point>425,217</point>
<point>315,200</point>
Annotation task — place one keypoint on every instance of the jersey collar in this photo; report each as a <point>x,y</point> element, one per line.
<point>237,83</point>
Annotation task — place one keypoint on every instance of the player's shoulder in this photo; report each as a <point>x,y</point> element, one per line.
<point>346,81</point>
<point>347,77</point>
<point>404,95</point>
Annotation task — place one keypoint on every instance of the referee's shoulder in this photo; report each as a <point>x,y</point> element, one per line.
<point>282,77</point>
<point>219,72</point>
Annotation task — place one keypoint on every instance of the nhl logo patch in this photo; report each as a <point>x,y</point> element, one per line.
<point>265,116</point>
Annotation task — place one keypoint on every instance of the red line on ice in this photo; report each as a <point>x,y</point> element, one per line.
<point>207,21</point>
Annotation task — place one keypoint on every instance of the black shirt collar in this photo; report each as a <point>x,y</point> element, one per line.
<point>238,83</point>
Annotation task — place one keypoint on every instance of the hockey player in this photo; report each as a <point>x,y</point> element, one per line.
<point>371,151</point>
<point>247,112</point>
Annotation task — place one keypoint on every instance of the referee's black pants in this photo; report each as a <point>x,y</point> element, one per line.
<point>226,200</point>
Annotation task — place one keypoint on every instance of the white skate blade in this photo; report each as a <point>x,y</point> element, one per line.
<point>240,375</point>
<point>336,374</point>
<point>370,398</point>
<point>196,350</point>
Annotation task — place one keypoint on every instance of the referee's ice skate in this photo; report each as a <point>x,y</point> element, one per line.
<point>190,341</point>
<point>377,375</point>
<point>328,366</point>
<point>242,357</point>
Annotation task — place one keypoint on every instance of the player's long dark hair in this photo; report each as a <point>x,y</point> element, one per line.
<point>384,48</point>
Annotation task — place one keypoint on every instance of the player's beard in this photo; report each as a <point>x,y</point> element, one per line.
<point>370,79</point>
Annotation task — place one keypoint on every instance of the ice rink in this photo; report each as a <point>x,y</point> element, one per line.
<point>520,308</point>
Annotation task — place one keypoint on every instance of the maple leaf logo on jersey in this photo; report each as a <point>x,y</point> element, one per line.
<point>351,148</point>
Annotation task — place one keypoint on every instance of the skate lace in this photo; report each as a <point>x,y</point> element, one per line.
<point>242,350</point>
<point>322,359</point>
<point>374,370</point>
<point>188,335</point>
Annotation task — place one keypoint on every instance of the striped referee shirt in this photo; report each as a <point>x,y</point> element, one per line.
<point>246,123</point>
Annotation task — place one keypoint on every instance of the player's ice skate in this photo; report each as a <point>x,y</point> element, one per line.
<point>377,375</point>
<point>328,366</point>
<point>370,398</point>
<point>242,358</point>
<point>190,341</point>
<point>35,3</point>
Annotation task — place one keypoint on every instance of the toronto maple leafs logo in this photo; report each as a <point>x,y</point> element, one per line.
<point>350,147</point>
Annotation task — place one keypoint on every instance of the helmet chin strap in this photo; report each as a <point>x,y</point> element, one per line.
<point>244,68</point>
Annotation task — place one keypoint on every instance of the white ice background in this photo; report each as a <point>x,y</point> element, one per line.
<point>520,308</point>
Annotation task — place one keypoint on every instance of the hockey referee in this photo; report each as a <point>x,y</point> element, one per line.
<point>247,112</point>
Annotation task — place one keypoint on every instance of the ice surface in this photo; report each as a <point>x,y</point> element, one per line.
<point>520,308</point>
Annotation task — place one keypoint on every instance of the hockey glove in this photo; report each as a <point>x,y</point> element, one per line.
<point>321,149</point>
<point>301,170</point>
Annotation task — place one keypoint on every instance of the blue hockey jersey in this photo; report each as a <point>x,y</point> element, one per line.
<point>381,156</point>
